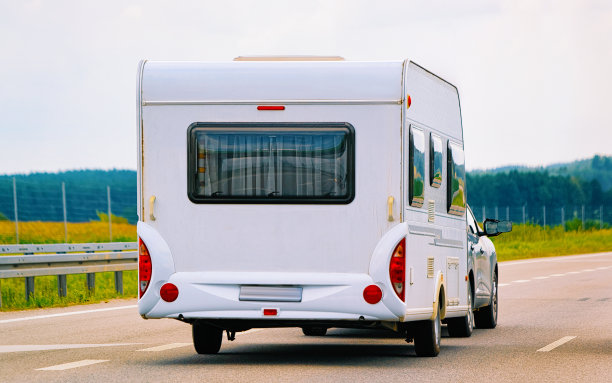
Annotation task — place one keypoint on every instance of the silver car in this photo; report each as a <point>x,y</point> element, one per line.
<point>483,277</point>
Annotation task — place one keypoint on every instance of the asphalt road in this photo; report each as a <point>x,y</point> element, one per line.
<point>555,324</point>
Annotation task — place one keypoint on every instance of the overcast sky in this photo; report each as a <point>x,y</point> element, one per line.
<point>533,76</point>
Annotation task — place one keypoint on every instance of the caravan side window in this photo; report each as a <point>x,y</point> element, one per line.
<point>416,167</point>
<point>455,180</point>
<point>435,160</point>
<point>271,163</point>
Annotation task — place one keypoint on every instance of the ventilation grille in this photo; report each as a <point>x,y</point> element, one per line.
<point>430,267</point>
<point>431,210</point>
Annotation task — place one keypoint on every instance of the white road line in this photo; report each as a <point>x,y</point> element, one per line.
<point>67,366</point>
<point>165,347</point>
<point>503,284</point>
<point>573,272</point>
<point>602,268</point>
<point>44,347</point>
<point>520,281</point>
<point>556,344</point>
<point>557,275</point>
<point>540,277</point>
<point>554,259</point>
<point>588,270</point>
<point>67,314</point>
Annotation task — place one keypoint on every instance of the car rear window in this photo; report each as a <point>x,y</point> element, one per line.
<point>271,163</point>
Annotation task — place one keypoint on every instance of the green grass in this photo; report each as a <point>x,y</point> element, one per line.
<point>45,291</point>
<point>533,241</point>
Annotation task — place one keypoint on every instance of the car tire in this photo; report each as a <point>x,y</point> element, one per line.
<point>486,317</point>
<point>314,331</point>
<point>428,335</point>
<point>206,338</point>
<point>463,326</point>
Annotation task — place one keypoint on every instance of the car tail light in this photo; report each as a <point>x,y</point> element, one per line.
<point>169,292</point>
<point>397,269</point>
<point>372,294</point>
<point>145,268</point>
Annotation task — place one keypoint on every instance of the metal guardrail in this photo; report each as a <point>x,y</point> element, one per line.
<point>63,259</point>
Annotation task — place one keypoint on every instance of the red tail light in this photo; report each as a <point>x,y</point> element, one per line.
<point>145,268</point>
<point>372,294</point>
<point>397,269</point>
<point>169,292</point>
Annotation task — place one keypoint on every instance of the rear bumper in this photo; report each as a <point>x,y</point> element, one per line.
<point>215,295</point>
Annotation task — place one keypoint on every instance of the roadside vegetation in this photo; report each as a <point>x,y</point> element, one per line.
<point>534,241</point>
<point>525,241</point>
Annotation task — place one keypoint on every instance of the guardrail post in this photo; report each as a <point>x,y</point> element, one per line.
<point>119,282</point>
<point>29,287</point>
<point>62,287</point>
<point>91,282</point>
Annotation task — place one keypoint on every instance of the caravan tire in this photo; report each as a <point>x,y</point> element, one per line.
<point>206,338</point>
<point>486,317</point>
<point>427,336</point>
<point>463,326</point>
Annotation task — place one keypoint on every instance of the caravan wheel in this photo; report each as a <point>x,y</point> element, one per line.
<point>427,336</point>
<point>206,338</point>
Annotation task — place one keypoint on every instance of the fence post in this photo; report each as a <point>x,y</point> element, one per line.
<point>65,217</point>
<point>523,214</point>
<point>484,213</point>
<point>29,287</point>
<point>563,217</point>
<point>507,213</point>
<point>583,217</point>
<point>16,212</point>
<point>496,213</point>
<point>544,215</point>
<point>110,224</point>
<point>600,217</point>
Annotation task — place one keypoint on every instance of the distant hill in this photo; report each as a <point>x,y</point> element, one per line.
<point>599,168</point>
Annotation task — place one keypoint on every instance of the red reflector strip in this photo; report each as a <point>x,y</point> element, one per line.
<point>272,312</point>
<point>270,107</point>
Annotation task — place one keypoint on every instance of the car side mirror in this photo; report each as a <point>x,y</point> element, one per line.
<point>493,227</point>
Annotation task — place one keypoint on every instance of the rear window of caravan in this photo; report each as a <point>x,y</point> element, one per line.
<point>271,163</point>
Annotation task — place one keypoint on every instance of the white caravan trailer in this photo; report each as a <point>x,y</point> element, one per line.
<point>310,194</point>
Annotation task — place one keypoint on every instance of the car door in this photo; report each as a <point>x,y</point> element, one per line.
<point>480,254</point>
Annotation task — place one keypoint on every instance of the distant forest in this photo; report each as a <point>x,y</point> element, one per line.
<point>39,195</point>
<point>584,182</point>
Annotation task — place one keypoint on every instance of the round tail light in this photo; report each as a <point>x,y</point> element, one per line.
<point>372,294</point>
<point>168,292</point>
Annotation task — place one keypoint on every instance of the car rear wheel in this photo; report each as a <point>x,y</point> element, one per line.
<point>463,326</point>
<point>206,338</point>
<point>486,317</point>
